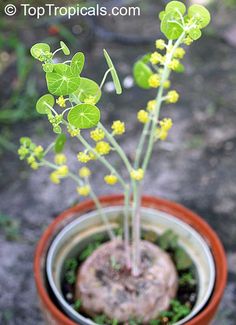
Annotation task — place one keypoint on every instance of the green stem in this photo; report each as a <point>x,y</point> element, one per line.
<point>126,227</point>
<point>104,78</point>
<point>141,144</point>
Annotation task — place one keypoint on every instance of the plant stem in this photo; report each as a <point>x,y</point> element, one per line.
<point>126,227</point>
<point>165,76</point>
<point>104,78</point>
<point>141,144</point>
<point>137,187</point>
<point>136,229</point>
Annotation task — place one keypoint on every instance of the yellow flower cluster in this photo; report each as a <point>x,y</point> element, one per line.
<point>174,64</point>
<point>154,80</point>
<point>156,58</point>
<point>60,159</point>
<point>151,105</point>
<point>83,157</point>
<point>179,53</point>
<point>118,127</point>
<point>103,148</point>
<point>142,116</point>
<point>38,151</point>
<point>73,131</point>
<point>165,126</point>
<point>61,172</point>
<point>172,97</point>
<point>97,134</point>
<point>61,101</point>
<point>160,44</point>
<point>84,172</point>
<point>32,162</point>
<point>110,179</point>
<point>90,100</point>
<point>137,174</point>
<point>188,40</point>
<point>83,190</point>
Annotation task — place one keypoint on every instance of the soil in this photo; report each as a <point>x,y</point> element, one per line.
<point>107,287</point>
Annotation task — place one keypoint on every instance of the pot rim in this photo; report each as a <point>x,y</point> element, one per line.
<point>178,210</point>
<point>65,231</point>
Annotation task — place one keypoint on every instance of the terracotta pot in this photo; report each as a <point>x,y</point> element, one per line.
<point>53,314</point>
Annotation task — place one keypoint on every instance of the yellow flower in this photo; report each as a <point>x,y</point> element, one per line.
<point>90,100</point>
<point>160,44</point>
<point>179,53</point>
<point>172,97</point>
<point>73,131</point>
<point>174,64</point>
<point>60,159</point>
<point>83,190</point>
<point>166,124</point>
<point>188,40</point>
<point>156,58</point>
<point>151,105</point>
<point>84,172</point>
<point>54,178</point>
<point>166,84</point>
<point>103,148</point>
<point>154,81</point>
<point>97,134</point>
<point>161,134</point>
<point>30,160</point>
<point>34,165</point>
<point>110,179</point>
<point>62,171</point>
<point>118,127</point>
<point>38,150</point>
<point>92,156</point>
<point>83,157</point>
<point>142,116</point>
<point>137,174</point>
<point>61,101</point>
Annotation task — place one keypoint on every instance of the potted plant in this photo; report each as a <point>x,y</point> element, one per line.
<point>122,259</point>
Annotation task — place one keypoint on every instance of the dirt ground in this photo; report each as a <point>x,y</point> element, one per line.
<point>195,167</point>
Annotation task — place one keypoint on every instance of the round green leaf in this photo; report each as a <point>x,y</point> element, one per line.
<point>43,102</point>
<point>175,5</point>
<point>201,14</point>
<point>64,48</point>
<point>77,63</point>
<point>195,33</point>
<point>48,67</point>
<point>170,27</point>
<point>39,50</point>
<point>60,143</point>
<point>84,116</point>
<point>88,89</point>
<point>114,74</point>
<point>141,74</point>
<point>62,81</point>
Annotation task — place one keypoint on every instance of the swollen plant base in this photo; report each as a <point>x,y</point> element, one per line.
<point>106,286</point>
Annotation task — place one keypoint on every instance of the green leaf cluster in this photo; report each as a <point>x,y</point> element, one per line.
<point>177,20</point>
<point>64,80</point>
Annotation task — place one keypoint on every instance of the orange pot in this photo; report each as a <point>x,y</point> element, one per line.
<point>54,316</point>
